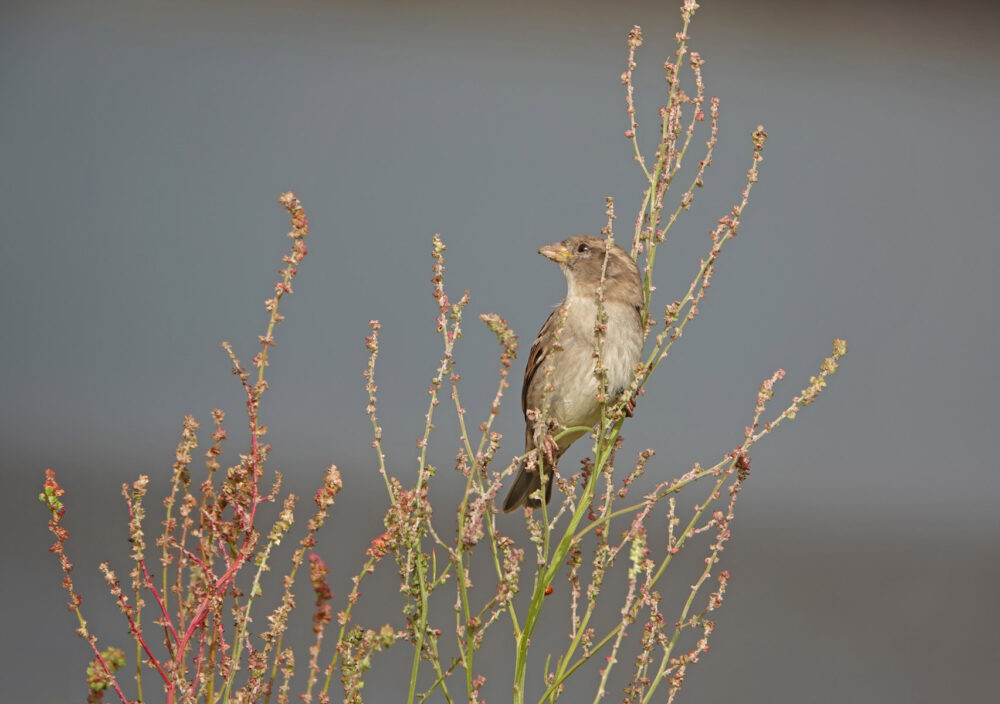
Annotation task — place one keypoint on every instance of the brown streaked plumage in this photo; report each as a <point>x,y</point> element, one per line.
<point>573,398</point>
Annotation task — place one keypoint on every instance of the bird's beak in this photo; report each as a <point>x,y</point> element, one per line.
<point>556,251</point>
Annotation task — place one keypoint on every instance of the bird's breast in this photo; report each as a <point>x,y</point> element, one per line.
<point>575,381</point>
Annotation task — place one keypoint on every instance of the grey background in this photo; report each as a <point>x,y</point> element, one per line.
<point>144,145</point>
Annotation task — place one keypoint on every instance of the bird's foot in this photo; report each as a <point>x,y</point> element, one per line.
<point>630,407</point>
<point>550,448</point>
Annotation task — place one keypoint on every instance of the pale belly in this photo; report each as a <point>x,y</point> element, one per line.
<point>573,401</point>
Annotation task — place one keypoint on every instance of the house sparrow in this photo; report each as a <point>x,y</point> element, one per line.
<point>572,401</point>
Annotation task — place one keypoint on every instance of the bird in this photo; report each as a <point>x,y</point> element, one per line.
<point>572,400</point>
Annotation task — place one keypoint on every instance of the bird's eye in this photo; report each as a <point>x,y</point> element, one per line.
<point>583,248</point>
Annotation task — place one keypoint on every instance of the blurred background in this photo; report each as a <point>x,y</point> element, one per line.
<point>144,145</point>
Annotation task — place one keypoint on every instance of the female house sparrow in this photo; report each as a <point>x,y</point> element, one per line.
<point>572,401</point>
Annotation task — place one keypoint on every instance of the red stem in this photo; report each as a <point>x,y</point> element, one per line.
<point>222,583</point>
<point>111,677</point>
<point>198,660</point>
<point>195,559</point>
<point>137,632</point>
<point>163,607</point>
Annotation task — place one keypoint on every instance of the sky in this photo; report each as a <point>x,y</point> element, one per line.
<point>144,147</point>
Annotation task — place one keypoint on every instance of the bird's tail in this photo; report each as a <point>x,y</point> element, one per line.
<point>526,483</point>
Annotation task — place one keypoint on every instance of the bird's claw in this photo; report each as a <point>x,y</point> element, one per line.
<point>630,406</point>
<point>550,448</point>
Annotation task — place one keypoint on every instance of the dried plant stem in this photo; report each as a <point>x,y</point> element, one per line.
<point>344,618</point>
<point>371,342</point>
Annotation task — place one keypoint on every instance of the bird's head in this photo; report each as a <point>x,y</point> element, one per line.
<point>581,259</point>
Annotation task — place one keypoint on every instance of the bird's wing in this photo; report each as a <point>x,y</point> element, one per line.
<point>540,350</point>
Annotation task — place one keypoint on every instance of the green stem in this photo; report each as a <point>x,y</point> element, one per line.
<point>603,451</point>
<point>365,570</point>
<point>659,573</point>
<point>420,626</point>
<point>238,637</point>
<point>442,677</point>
